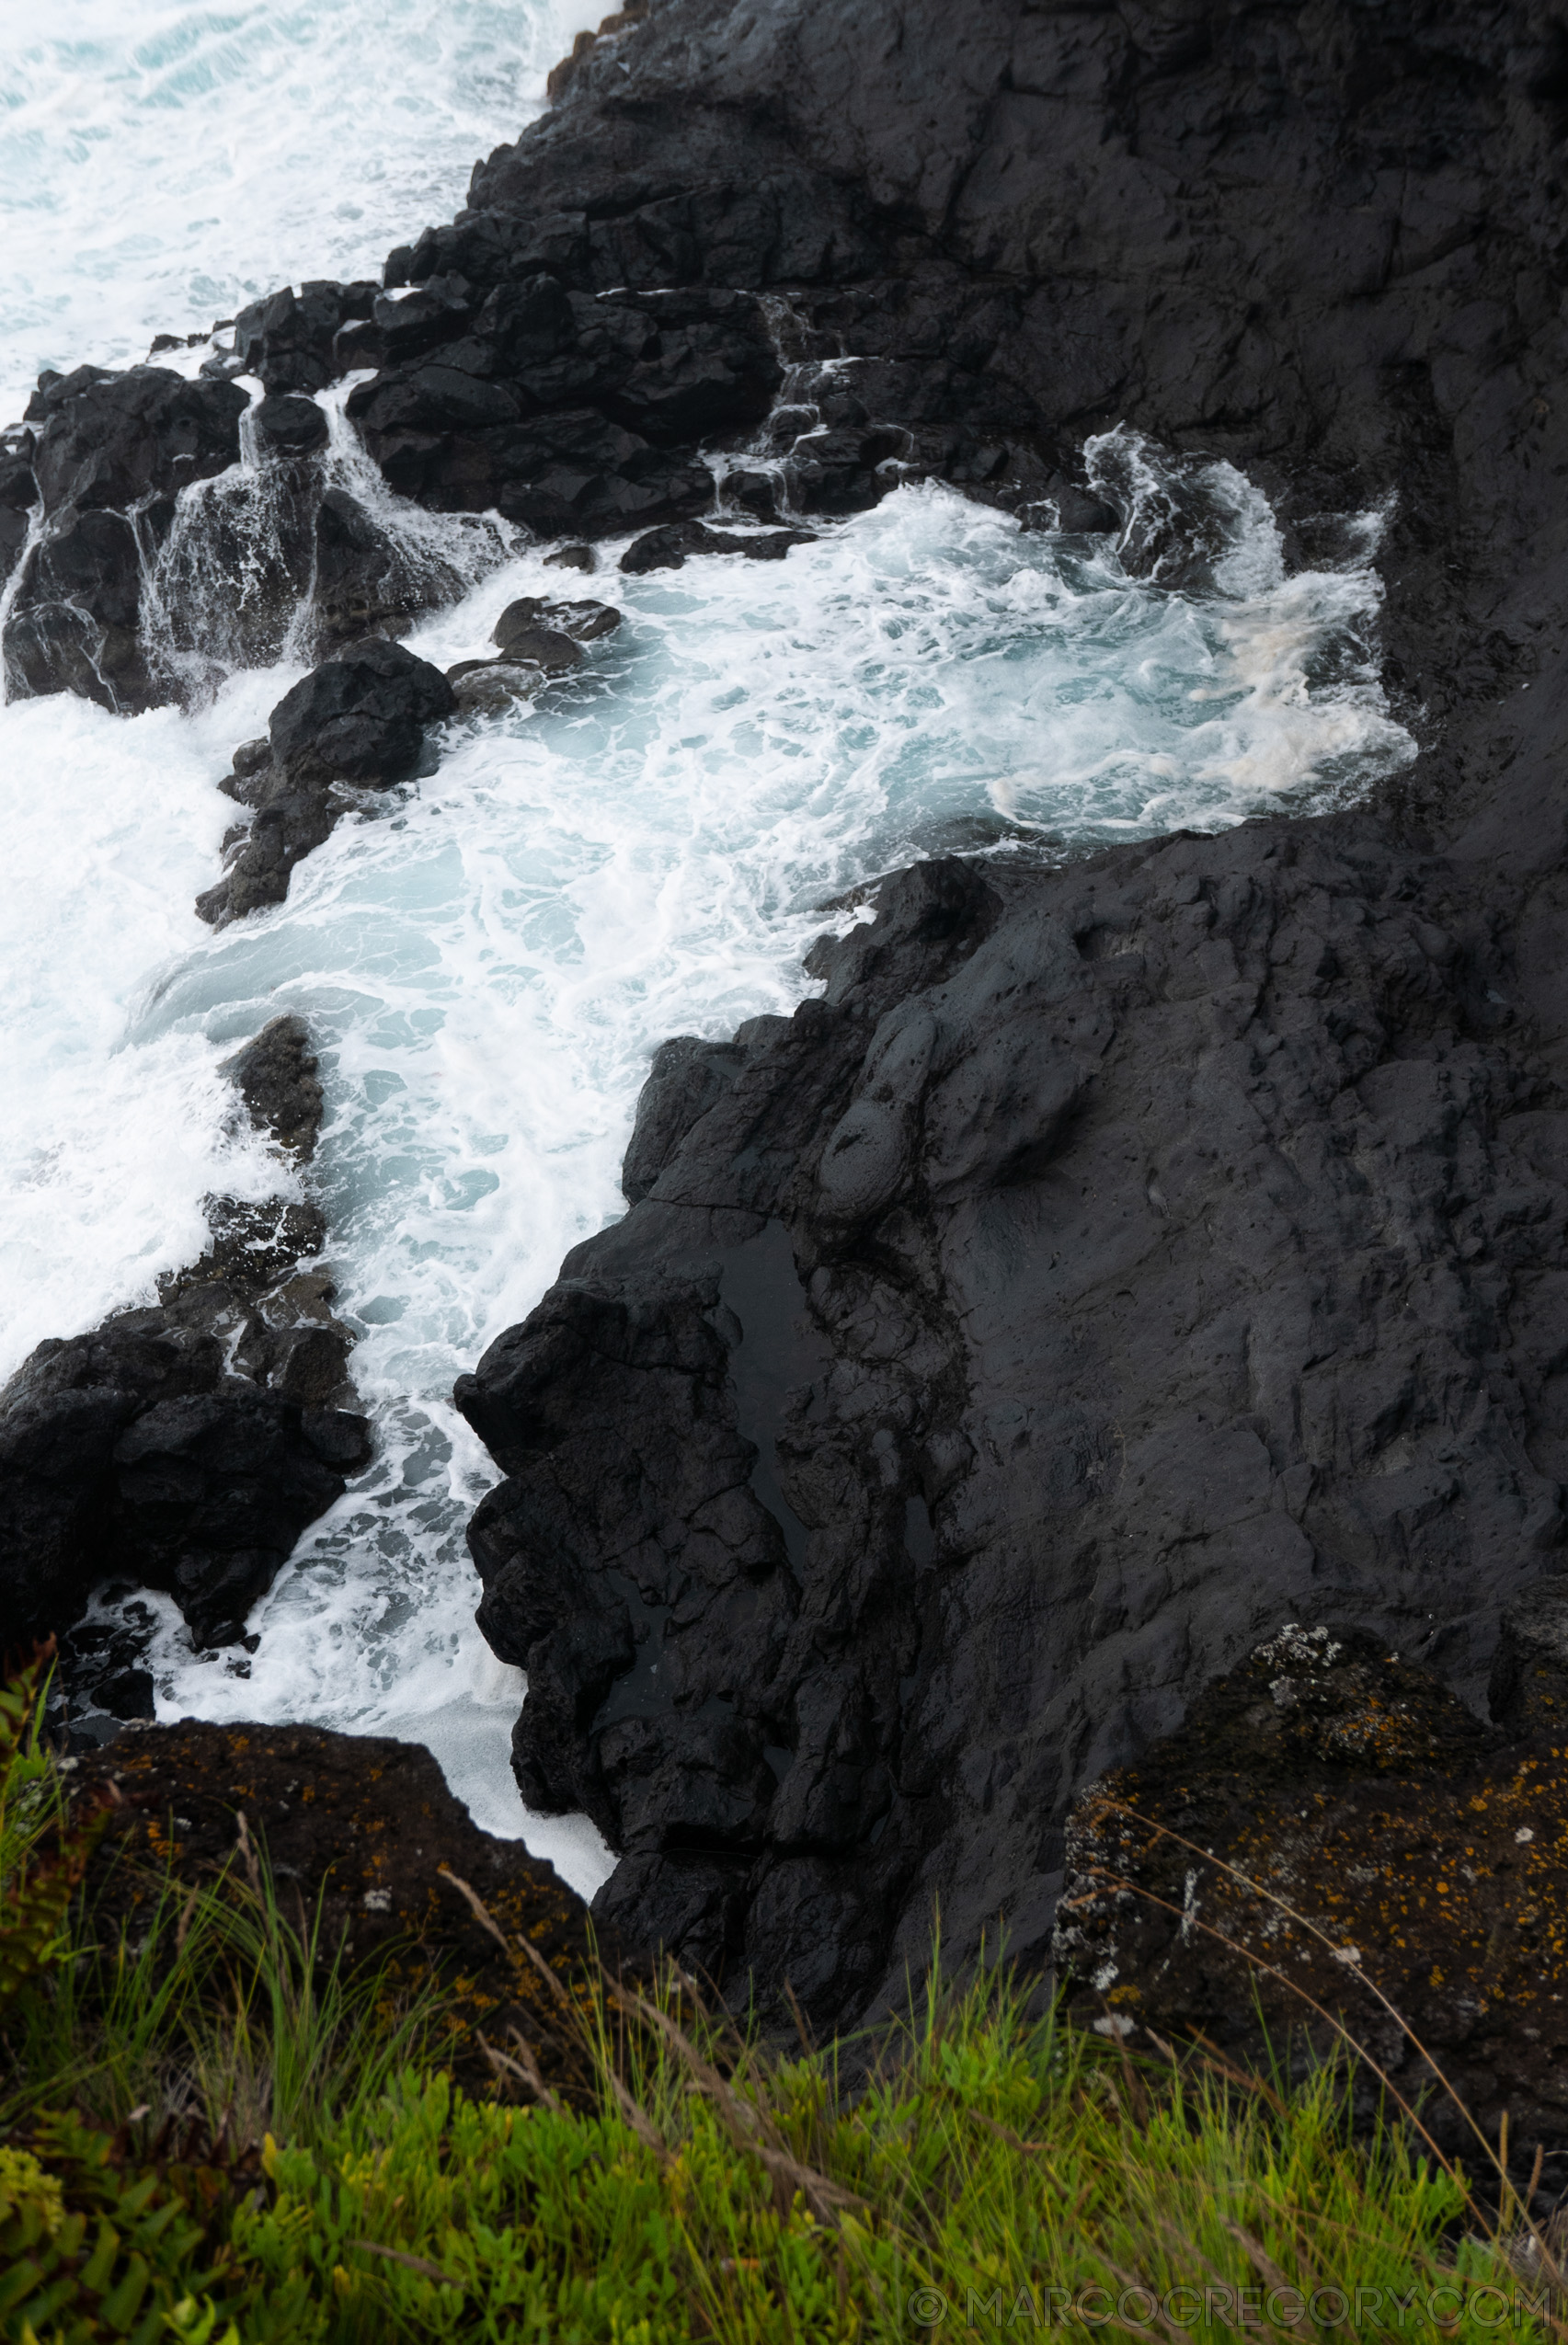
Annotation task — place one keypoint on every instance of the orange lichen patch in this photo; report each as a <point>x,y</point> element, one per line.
<point>1283,1866</point>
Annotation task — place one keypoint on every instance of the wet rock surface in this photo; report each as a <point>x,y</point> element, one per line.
<point>672,548</point>
<point>1326,245</point>
<point>1329,1818</point>
<point>185,1446</point>
<point>357,722</point>
<point>105,456</point>
<point>368,1825</point>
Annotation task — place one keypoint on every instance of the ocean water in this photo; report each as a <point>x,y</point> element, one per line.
<point>161,163</point>
<point>488,960</point>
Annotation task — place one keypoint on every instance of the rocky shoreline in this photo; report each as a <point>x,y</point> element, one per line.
<point>1113,1262</point>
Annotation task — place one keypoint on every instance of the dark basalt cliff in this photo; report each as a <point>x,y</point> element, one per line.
<point>1109,1266</point>
<point>1113,1261</point>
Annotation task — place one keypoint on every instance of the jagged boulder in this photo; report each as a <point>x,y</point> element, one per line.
<point>359,718</point>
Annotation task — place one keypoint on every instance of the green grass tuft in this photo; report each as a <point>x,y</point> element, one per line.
<point>217,2130</point>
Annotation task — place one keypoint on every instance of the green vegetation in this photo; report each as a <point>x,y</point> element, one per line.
<point>221,2133</point>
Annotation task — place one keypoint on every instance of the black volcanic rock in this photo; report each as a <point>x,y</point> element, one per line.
<point>359,719</point>
<point>187,1445</point>
<point>287,339</point>
<point>363,580</point>
<point>584,620</point>
<point>275,1075</point>
<point>18,495</point>
<point>359,716</point>
<point>1324,245</point>
<point>670,548</point>
<point>109,454</point>
<point>295,426</point>
<point>1114,1261</point>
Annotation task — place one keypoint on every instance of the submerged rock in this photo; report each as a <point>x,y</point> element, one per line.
<point>671,548</point>
<point>550,649</point>
<point>489,687</point>
<point>584,622</point>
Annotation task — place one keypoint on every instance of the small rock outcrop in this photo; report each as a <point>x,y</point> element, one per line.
<point>367,1826</point>
<point>672,548</point>
<point>355,723</point>
<point>1329,1819</point>
<point>104,456</point>
<point>185,1445</point>
<point>583,621</point>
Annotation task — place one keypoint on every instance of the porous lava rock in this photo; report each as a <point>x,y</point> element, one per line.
<point>186,1445</point>
<point>366,1826</point>
<point>1330,1820</point>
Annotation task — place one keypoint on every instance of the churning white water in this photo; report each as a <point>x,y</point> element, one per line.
<point>488,963</point>
<point>163,162</point>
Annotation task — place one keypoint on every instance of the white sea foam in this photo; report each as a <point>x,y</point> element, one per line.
<point>163,162</point>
